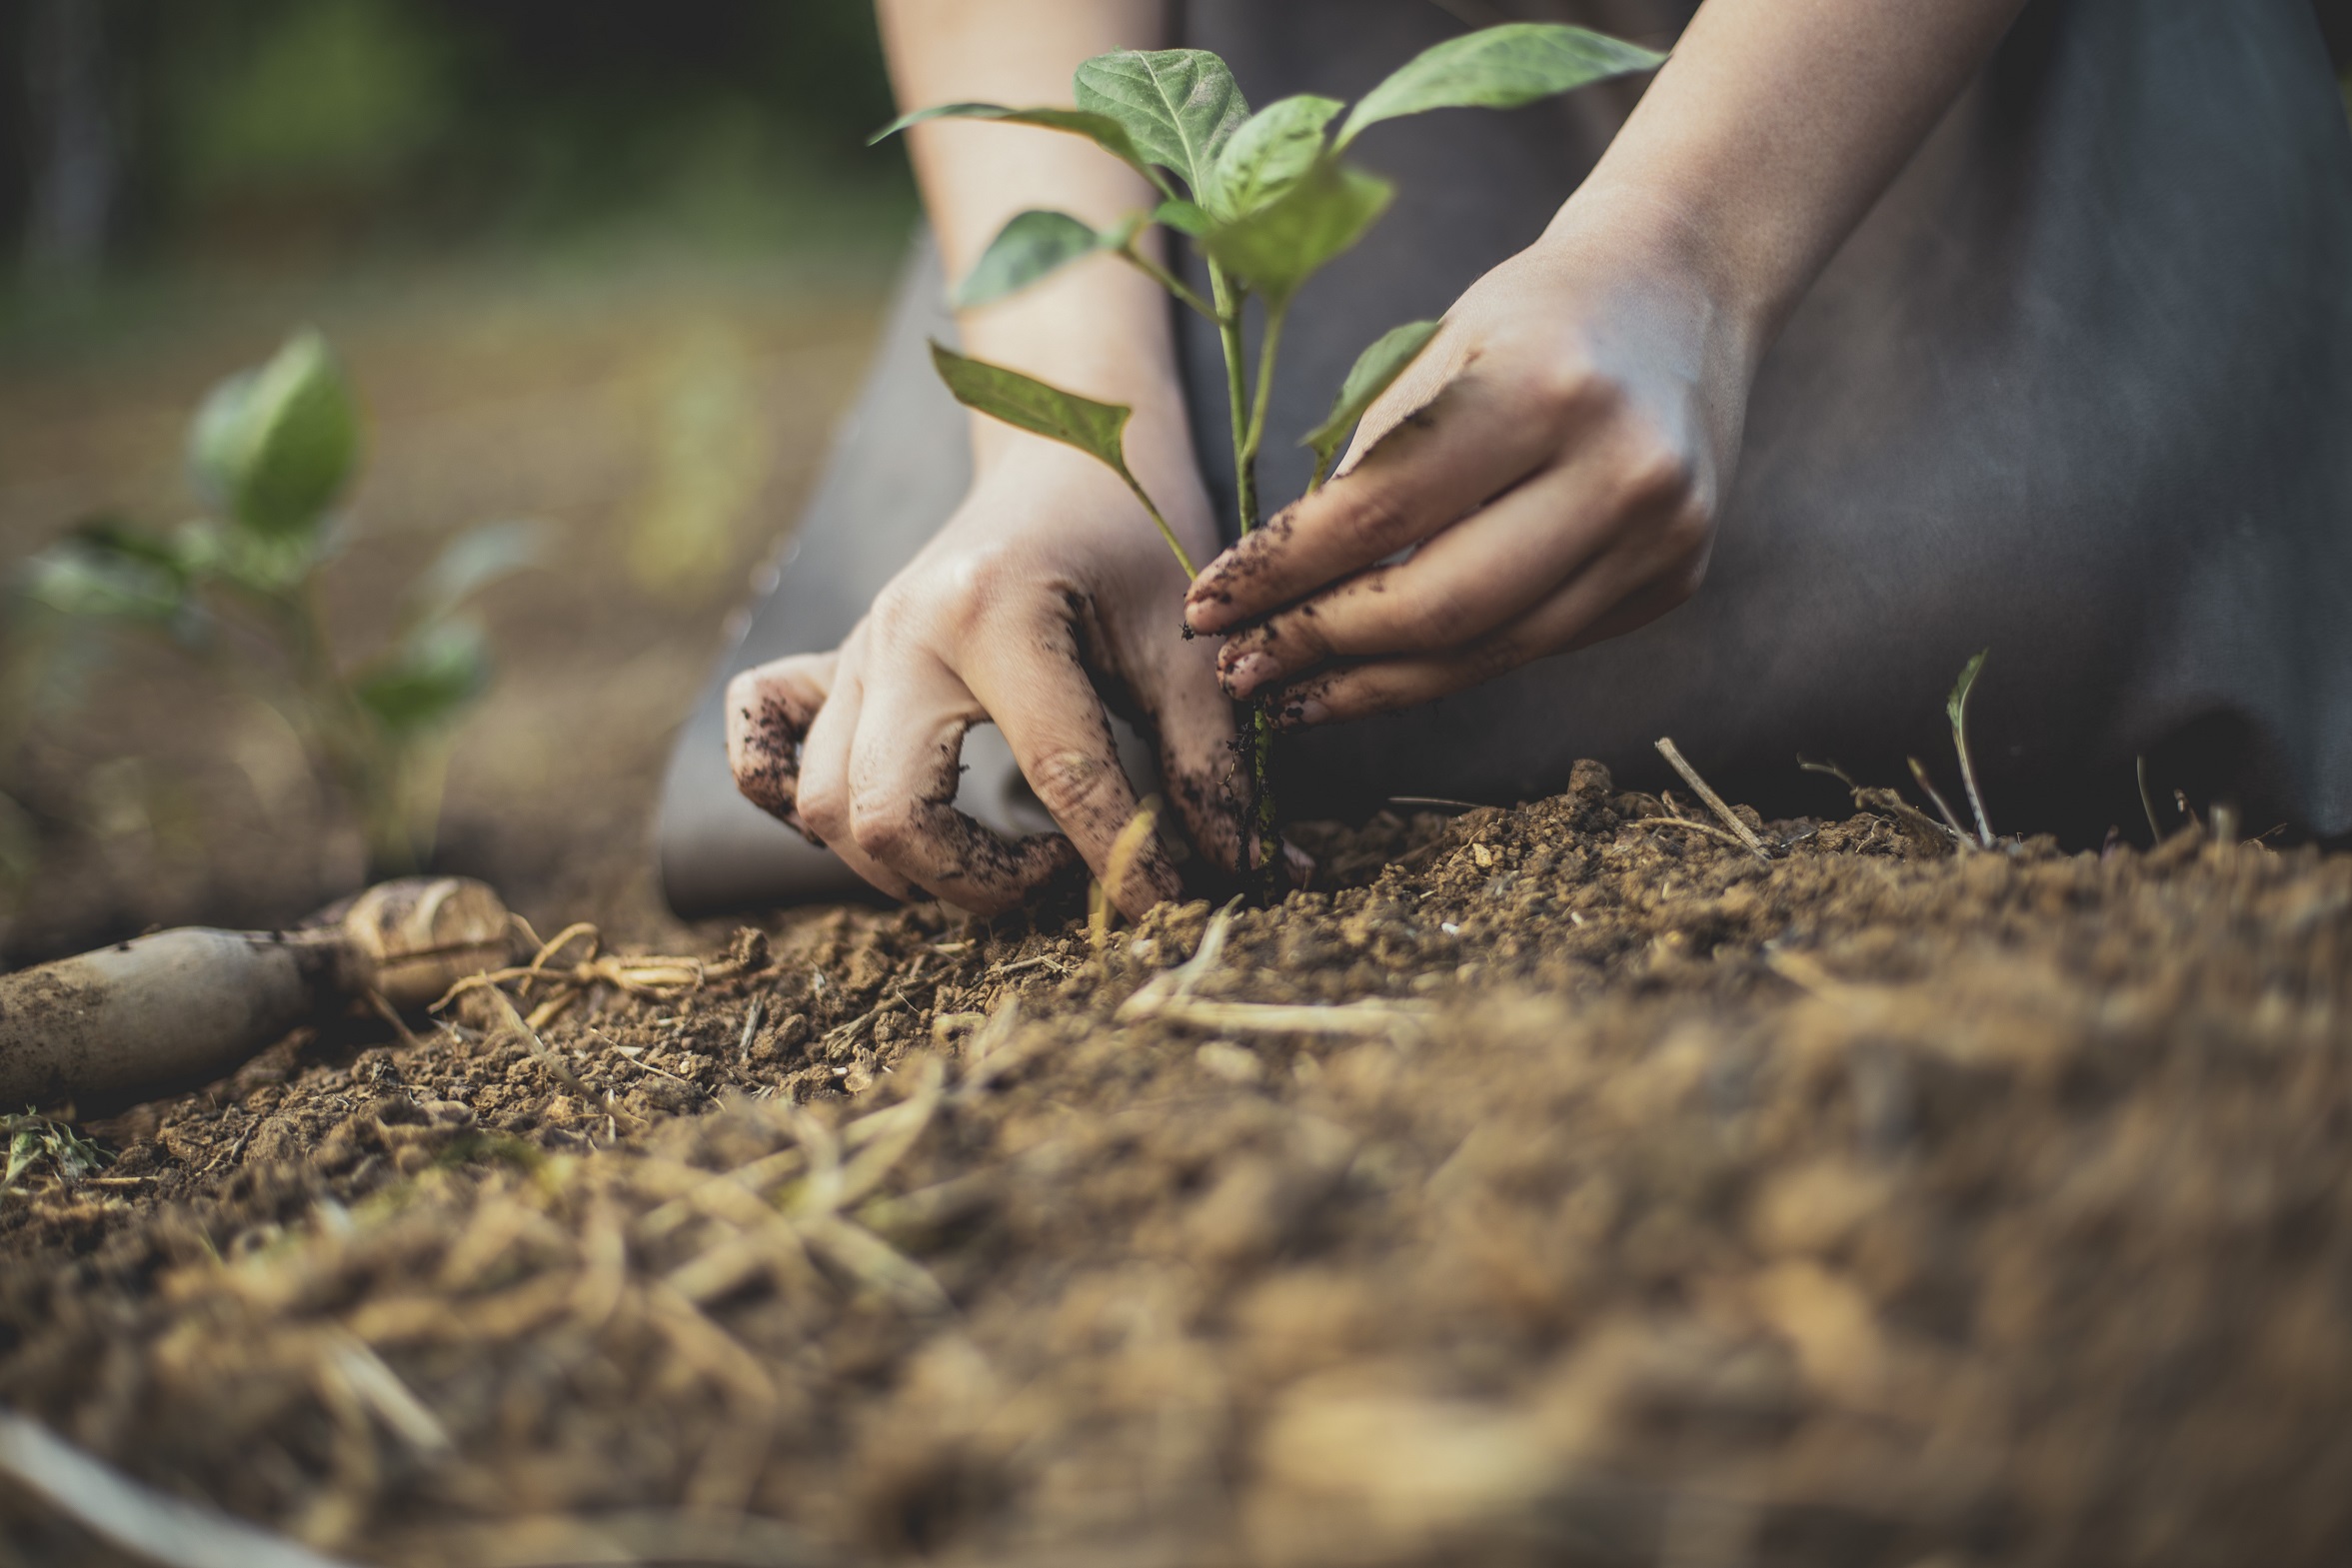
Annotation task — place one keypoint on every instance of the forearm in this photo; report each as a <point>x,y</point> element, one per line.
<point>1776,125</point>
<point>1100,328</point>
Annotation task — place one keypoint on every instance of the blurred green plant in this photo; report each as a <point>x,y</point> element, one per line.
<point>42,1147</point>
<point>271,451</point>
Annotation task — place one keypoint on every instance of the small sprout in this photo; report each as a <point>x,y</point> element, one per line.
<point>1956,709</point>
<point>42,1145</point>
<point>272,450</point>
<point>1943,807</point>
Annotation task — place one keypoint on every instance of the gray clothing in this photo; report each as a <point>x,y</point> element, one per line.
<point>2079,391</point>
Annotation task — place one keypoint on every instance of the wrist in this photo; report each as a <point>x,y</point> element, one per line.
<point>1666,249</point>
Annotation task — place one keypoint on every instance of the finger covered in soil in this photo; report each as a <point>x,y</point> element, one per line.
<point>1565,1184</point>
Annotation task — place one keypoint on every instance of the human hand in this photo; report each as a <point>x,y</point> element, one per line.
<point>1047,589</point>
<point>1552,463</point>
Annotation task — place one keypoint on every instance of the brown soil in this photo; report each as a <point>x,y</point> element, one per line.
<point>1627,1199</point>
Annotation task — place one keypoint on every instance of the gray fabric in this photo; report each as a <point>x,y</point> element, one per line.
<point>2077,390</point>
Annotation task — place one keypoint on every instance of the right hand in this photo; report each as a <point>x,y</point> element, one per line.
<point>1047,593</point>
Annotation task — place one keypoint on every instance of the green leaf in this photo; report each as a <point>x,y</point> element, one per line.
<point>1278,247</point>
<point>1031,246</point>
<point>1956,707</point>
<point>1097,429</point>
<point>1182,216</point>
<point>275,446</point>
<point>1179,105</point>
<point>106,569</point>
<point>1499,68</point>
<point>1377,370</point>
<point>426,679</point>
<point>1104,131</point>
<point>1270,153</point>
<point>472,561</point>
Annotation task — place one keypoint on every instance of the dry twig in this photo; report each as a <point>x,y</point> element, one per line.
<point>1740,830</point>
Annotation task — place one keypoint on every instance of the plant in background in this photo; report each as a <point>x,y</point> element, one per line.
<point>1267,198</point>
<point>270,451</point>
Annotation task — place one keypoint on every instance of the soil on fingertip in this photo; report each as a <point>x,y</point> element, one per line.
<point>1562,1184</point>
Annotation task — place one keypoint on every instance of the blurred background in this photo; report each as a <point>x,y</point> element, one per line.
<point>605,266</point>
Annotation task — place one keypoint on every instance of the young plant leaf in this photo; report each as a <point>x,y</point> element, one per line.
<point>1182,216</point>
<point>426,679</point>
<point>1031,246</point>
<point>1180,106</point>
<point>1376,369</point>
<point>1270,153</point>
<point>1102,129</point>
<point>1956,710</point>
<point>1097,429</point>
<point>469,564</point>
<point>106,569</point>
<point>1499,68</point>
<point>1278,247</point>
<point>274,446</point>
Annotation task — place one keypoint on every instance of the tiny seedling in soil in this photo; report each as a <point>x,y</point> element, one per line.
<point>1267,198</point>
<point>271,451</point>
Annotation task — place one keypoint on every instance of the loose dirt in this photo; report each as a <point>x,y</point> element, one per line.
<point>1563,1187</point>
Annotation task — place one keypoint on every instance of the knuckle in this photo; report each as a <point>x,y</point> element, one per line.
<point>1684,582</point>
<point>1377,521</point>
<point>1659,475</point>
<point>1566,384</point>
<point>1073,784</point>
<point>825,811</point>
<point>1493,657</point>
<point>885,828</point>
<point>1437,616</point>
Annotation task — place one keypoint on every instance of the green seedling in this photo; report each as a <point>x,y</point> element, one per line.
<point>1267,200</point>
<point>271,451</point>
<point>40,1146</point>
<point>1956,710</point>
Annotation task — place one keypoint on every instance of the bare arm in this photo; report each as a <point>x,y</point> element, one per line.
<point>1102,329</point>
<point>1579,418</point>
<point>1778,122</point>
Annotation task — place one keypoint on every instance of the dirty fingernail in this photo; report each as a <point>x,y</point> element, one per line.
<point>1248,673</point>
<point>1299,716</point>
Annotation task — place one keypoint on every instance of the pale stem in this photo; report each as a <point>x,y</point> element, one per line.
<point>1183,559</point>
<point>1165,279</point>
<point>1228,329</point>
<point>1266,349</point>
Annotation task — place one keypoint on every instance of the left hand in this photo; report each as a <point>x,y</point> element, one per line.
<point>1554,465</point>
